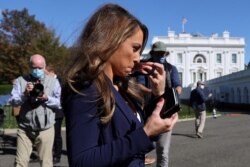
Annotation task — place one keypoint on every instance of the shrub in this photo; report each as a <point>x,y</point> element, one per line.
<point>5,89</point>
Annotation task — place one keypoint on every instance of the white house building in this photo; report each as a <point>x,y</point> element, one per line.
<point>203,58</point>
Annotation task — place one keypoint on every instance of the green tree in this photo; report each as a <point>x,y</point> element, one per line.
<point>21,35</point>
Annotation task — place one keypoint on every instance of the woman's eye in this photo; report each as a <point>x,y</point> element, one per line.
<point>136,48</point>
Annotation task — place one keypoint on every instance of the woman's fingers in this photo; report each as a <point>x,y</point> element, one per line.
<point>159,106</point>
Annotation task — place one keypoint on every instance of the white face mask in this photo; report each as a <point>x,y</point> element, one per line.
<point>202,86</point>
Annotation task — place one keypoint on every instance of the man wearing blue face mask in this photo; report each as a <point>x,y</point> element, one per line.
<point>159,54</point>
<point>37,94</point>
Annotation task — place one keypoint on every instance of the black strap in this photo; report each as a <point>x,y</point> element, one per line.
<point>168,69</point>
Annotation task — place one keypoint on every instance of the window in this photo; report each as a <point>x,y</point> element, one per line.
<point>194,77</point>
<point>199,59</point>
<point>245,95</point>
<point>218,58</point>
<point>234,58</point>
<point>180,76</point>
<point>238,95</point>
<point>200,78</point>
<point>219,74</point>
<point>232,95</point>
<point>179,58</point>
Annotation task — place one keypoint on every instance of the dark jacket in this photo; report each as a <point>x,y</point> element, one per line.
<point>198,99</point>
<point>122,142</point>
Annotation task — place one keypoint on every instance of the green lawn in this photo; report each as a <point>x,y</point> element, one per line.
<point>10,121</point>
<point>186,112</point>
<point>5,89</point>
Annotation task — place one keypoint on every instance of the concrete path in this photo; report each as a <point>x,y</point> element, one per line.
<point>226,143</point>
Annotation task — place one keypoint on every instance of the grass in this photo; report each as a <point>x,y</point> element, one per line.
<point>10,121</point>
<point>186,112</point>
<point>5,89</point>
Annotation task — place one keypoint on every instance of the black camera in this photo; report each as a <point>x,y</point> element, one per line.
<point>37,91</point>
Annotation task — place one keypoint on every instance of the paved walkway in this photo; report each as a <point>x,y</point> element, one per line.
<point>226,143</point>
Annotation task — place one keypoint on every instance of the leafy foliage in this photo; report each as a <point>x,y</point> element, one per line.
<point>21,36</point>
<point>5,89</point>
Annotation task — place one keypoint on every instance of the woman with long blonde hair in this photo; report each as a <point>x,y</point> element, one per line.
<point>104,120</point>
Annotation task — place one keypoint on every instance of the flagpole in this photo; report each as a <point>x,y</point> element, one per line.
<point>183,22</point>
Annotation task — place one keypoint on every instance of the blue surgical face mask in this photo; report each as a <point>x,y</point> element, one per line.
<point>159,59</point>
<point>37,73</point>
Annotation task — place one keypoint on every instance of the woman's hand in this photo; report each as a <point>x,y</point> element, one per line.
<point>157,76</point>
<point>155,125</point>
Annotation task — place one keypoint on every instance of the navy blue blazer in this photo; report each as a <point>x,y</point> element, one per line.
<point>122,142</point>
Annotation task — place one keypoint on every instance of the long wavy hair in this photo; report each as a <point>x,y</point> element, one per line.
<point>105,31</point>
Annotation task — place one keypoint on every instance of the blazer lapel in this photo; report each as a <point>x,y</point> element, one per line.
<point>125,109</point>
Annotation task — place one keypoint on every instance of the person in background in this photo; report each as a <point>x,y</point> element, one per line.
<point>198,103</point>
<point>159,54</point>
<point>213,104</point>
<point>36,93</point>
<point>103,104</point>
<point>58,142</point>
<point>15,109</point>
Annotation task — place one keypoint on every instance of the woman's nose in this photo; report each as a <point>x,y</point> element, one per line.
<point>137,58</point>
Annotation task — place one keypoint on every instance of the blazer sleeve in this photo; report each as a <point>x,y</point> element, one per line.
<point>84,137</point>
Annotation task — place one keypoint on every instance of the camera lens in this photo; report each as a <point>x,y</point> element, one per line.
<point>37,90</point>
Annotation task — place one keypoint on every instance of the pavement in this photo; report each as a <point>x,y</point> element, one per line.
<point>226,143</point>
